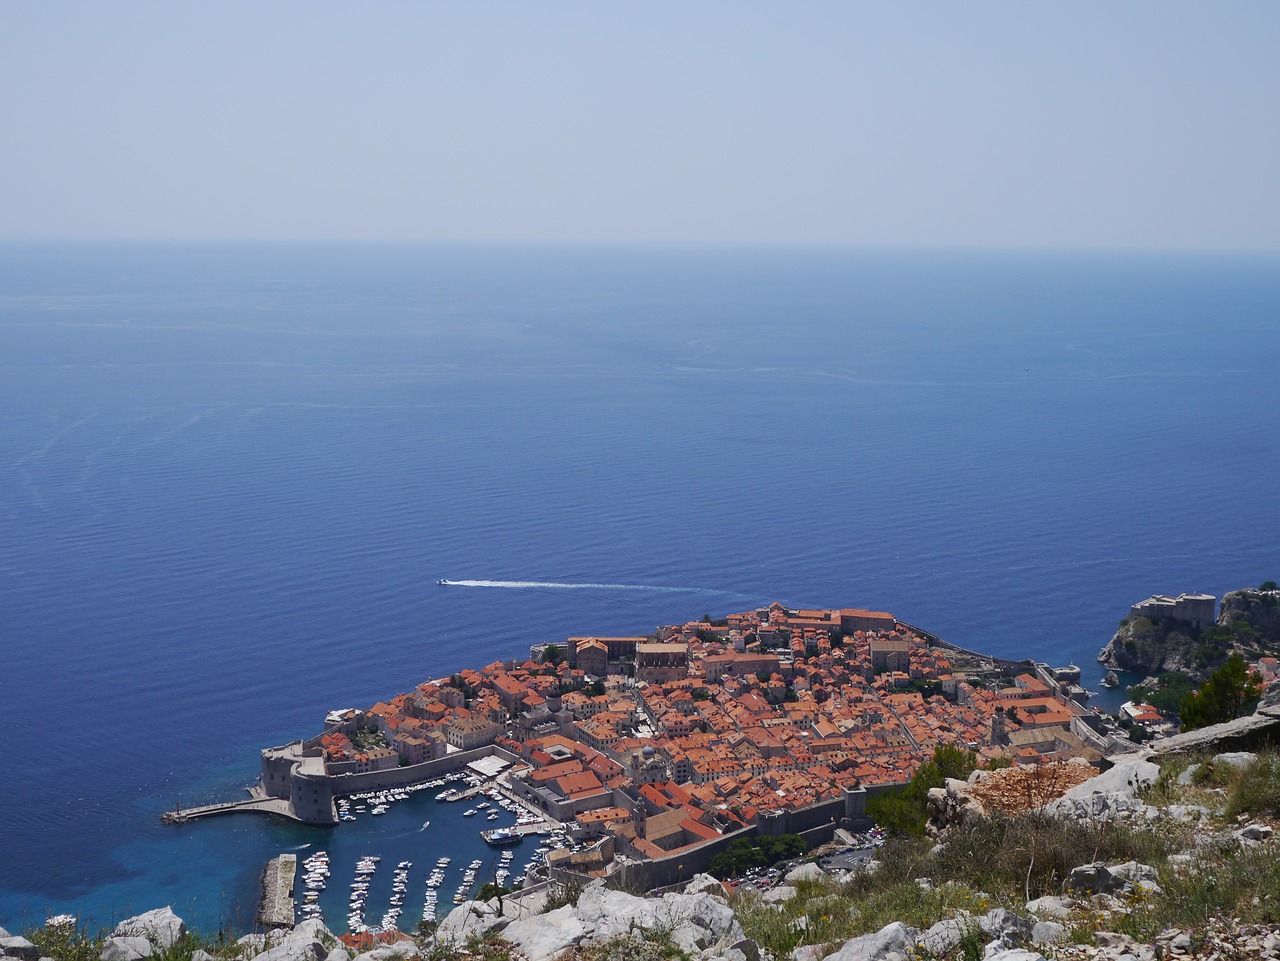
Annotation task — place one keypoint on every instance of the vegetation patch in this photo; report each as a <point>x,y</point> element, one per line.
<point>759,852</point>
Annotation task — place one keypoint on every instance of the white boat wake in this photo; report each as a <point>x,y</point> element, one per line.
<point>565,586</point>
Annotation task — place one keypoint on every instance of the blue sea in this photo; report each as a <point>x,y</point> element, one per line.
<point>232,476</point>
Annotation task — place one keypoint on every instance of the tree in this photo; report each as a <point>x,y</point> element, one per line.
<point>905,811</point>
<point>1230,691</point>
<point>1267,586</point>
<point>551,654</point>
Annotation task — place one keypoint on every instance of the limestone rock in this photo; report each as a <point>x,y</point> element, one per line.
<point>1133,871</point>
<point>337,954</point>
<point>468,918</point>
<point>945,936</point>
<point>747,948</point>
<point>252,944</point>
<point>19,947</point>
<point>1254,833</point>
<point>389,952</point>
<point>704,884</point>
<point>544,937</point>
<point>200,954</point>
<point>1110,793</point>
<point>1048,932</point>
<point>161,927</point>
<point>1092,879</point>
<point>783,892</point>
<point>1186,778</point>
<point>1050,906</point>
<point>306,942</point>
<point>805,872</point>
<point>893,939</point>
<point>125,949</point>
<point>1003,924</point>
<point>4,934</point>
<point>954,803</point>
<point>1237,759</point>
<point>1013,954</point>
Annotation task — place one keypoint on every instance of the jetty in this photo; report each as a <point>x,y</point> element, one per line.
<point>255,802</point>
<point>523,830</point>
<point>276,910</point>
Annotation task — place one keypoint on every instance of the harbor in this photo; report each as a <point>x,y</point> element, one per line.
<point>403,858</point>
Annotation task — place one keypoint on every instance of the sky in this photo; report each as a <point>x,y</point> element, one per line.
<point>1146,124</point>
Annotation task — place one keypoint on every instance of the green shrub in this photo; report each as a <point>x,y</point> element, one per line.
<point>563,894</point>
<point>1256,789</point>
<point>904,811</point>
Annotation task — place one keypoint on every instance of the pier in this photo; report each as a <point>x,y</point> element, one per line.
<point>277,909</point>
<point>266,805</point>
<point>524,830</point>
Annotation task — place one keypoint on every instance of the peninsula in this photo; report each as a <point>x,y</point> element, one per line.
<point>657,751</point>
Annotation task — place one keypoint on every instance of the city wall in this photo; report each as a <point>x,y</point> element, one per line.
<point>345,785</point>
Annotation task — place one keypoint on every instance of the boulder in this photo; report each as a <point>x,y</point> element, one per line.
<point>1237,759</point>
<point>1048,932</point>
<point>1003,924</point>
<point>544,937</point>
<point>1111,794</point>
<point>161,927</point>
<point>1255,833</point>
<point>337,954</point>
<point>305,942</point>
<point>468,918</point>
<point>1186,778</point>
<point>698,921</point>
<point>251,944</point>
<point>390,952</point>
<point>1013,954</point>
<point>805,872</point>
<point>4,934</point>
<point>808,952</point>
<point>783,892</point>
<point>200,954</point>
<point>747,948</point>
<point>1133,871</point>
<point>893,939</point>
<point>125,949</point>
<point>1092,879</point>
<point>19,947</point>
<point>945,936</point>
<point>1050,906</point>
<point>1187,812</point>
<point>704,884</point>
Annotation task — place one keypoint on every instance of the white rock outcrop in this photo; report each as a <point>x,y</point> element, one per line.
<point>161,927</point>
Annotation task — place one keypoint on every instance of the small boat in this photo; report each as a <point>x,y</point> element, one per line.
<point>469,812</point>
<point>425,825</point>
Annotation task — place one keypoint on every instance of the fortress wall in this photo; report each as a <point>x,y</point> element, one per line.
<point>347,784</point>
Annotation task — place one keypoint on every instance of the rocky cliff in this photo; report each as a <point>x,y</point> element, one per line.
<point>1258,610</point>
<point>1145,646</point>
<point>1248,623</point>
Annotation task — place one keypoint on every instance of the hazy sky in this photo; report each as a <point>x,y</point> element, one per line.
<point>1133,124</point>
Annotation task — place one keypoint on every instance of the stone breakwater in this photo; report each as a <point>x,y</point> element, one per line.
<point>276,910</point>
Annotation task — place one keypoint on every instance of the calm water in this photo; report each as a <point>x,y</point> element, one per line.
<point>231,478</point>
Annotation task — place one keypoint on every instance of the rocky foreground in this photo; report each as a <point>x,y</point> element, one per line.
<point>1095,909</point>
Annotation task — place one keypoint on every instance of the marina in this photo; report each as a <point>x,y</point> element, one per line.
<point>404,858</point>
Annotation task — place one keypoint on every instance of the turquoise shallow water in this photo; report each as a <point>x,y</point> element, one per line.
<point>231,477</point>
